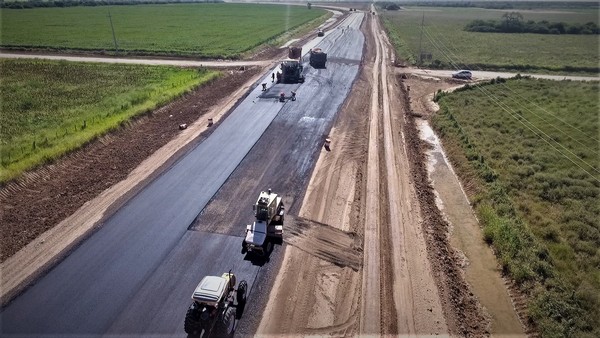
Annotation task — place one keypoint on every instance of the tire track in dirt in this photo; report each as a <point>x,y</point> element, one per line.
<point>410,304</point>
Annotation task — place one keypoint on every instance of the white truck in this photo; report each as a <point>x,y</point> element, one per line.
<point>269,214</point>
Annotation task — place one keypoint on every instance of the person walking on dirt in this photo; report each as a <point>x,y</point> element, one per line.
<point>273,77</point>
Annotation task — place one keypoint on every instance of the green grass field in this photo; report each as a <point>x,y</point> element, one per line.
<point>537,195</point>
<point>445,39</point>
<point>50,108</point>
<point>203,30</point>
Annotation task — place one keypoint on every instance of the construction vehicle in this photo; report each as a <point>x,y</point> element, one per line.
<point>269,213</point>
<point>291,68</point>
<point>320,33</point>
<point>214,304</point>
<point>291,71</point>
<point>318,58</point>
<point>294,52</point>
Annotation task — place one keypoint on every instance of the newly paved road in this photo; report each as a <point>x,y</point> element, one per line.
<point>135,275</point>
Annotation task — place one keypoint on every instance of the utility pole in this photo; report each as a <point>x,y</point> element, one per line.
<point>421,41</point>
<point>113,32</point>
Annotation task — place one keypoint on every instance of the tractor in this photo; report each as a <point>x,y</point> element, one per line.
<point>214,304</point>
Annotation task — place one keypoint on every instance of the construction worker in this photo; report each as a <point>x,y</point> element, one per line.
<point>282,97</point>
<point>273,77</point>
<point>264,86</point>
<point>293,95</point>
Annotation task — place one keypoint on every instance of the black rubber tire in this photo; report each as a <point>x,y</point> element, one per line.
<point>241,292</point>
<point>268,247</point>
<point>228,323</point>
<point>192,324</point>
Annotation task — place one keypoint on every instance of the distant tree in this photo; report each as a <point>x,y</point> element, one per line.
<point>512,22</point>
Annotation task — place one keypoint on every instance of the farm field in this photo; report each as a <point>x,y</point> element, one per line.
<point>532,168</point>
<point>50,108</point>
<point>452,47</point>
<point>202,30</point>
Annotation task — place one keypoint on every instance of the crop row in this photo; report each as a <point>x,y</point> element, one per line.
<point>50,108</point>
<point>443,42</point>
<point>204,30</point>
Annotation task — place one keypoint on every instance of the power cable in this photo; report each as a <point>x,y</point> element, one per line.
<point>514,115</point>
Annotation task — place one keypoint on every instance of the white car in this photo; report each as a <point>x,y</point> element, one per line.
<point>462,74</point>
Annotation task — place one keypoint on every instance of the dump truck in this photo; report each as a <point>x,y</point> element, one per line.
<point>269,214</point>
<point>214,304</point>
<point>318,58</point>
<point>294,52</point>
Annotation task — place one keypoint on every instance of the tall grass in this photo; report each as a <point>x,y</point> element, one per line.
<point>204,30</point>
<point>451,46</point>
<point>50,108</point>
<point>537,192</point>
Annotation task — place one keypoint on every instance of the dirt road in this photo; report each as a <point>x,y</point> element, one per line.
<point>374,184</point>
<point>363,186</point>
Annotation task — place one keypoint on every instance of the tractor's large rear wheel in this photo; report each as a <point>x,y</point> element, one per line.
<point>193,324</point>
<point>229,321</point>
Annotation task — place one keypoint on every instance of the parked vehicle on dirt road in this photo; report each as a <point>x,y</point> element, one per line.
<point>462,74</point>
<point>214,306</point>
<point>320,33</point>
<point>269,213</point>
<point>318,58</point>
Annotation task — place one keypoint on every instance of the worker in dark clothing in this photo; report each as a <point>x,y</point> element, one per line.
<point>293,95</point>
<point>273,77</point>
<point>264,86</point>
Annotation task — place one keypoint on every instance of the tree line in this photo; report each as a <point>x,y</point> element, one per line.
<point>513,23</point>
<point>73,3</point>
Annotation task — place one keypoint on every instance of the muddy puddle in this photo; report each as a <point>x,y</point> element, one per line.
<point>482,270</point>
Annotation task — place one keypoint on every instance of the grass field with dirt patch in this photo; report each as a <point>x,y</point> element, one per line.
<point>446,40</point>
<point>50,108</point>
<point>532,149</point>
<point>203,30</point>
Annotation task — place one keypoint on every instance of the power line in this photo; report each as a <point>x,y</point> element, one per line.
<point>514,115</point>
